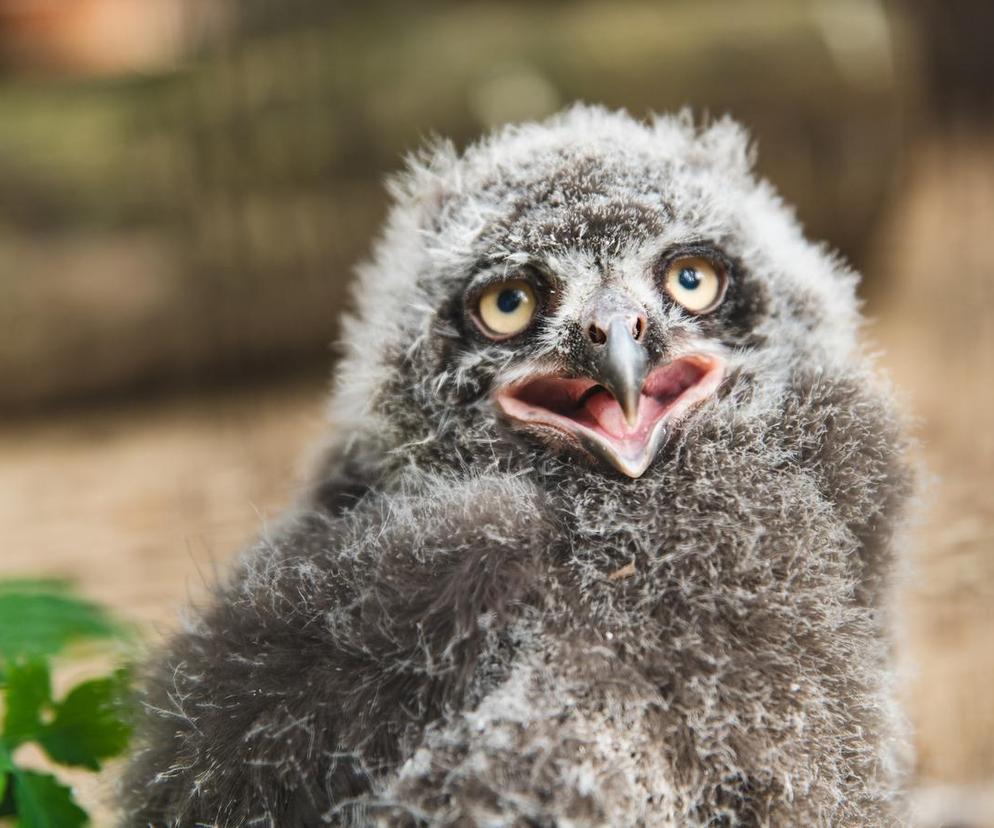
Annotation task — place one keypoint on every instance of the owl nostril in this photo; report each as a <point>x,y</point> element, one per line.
<point>638,329</point>
<point>596,335</point>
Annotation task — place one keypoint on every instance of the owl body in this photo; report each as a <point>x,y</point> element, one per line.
<point>520,593</point>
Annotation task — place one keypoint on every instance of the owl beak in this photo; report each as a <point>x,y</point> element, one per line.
<point>615,327</point>
<point>622,366</point>
<point>588,413</point>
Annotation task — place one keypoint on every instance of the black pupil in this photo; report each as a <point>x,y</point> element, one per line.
<point>689,279</point>
<point>509,299</point>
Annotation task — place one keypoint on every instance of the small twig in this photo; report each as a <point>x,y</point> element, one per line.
<point>625,572</point>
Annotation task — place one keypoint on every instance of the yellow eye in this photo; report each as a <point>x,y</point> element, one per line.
<point>506,308</point>
<point>695,283</point>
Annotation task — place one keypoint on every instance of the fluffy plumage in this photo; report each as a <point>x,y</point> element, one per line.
<point>467,625</point>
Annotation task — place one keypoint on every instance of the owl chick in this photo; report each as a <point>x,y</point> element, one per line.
<point>603,537</point>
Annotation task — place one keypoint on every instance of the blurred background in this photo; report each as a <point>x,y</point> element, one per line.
<point>185,186</point>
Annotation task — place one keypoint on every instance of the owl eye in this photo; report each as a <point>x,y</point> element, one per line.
<point>506,309</point>
<point>695,283</point>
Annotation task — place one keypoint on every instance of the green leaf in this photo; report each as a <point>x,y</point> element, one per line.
<point>38,618</point>
<point>28,691</point>
<point>7,807</point>
<point>43,803</point>
<point>6,766</point>
<point>89,724</point>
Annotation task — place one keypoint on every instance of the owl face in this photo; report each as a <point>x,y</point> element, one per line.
<point>615,382</point>
<point>586,287</point>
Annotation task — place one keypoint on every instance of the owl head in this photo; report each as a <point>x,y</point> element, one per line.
<point>573,294</point>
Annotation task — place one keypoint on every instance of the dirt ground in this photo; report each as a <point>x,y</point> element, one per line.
<point>141,503</point>
<point>934,327</point>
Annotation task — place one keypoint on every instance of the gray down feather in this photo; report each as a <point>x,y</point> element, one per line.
<point>464,624</point>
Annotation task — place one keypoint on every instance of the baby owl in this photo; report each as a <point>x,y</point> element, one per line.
<point>603,535</point>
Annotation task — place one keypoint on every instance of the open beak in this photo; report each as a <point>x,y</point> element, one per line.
<point>621,415</point>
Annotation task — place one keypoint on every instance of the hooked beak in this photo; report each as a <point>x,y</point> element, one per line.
<point>587,414</point>
<point>622,365</point>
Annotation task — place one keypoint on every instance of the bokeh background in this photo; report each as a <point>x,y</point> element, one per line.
<point>185,186</point>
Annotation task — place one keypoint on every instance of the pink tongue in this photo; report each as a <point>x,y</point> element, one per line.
<point>605,409</point>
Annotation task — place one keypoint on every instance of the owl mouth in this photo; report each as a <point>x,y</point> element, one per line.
<point>587,414</point>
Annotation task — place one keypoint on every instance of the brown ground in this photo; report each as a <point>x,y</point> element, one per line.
<point>938,337</point>
<point>139,504</point>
